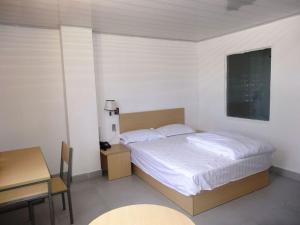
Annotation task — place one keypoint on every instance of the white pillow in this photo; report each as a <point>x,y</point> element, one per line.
<point>140,135</point>
<point>175,129</point>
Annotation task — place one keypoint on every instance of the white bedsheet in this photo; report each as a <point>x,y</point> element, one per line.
<point>180,165</point>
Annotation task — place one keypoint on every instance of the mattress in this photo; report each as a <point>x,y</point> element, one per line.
<point>182,166</point>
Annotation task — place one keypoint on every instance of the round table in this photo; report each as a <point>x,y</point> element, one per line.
<point>142,214</point>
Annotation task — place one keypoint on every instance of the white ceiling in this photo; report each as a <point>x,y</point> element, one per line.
<point>191,20</point>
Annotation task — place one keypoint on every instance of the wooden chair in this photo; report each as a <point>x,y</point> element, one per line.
<point>59,186</point>
<point>58,183</point>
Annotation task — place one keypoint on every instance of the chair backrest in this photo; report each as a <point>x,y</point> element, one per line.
<point>66,158</point>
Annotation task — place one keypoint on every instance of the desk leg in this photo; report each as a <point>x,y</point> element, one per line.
<point>52,218</point>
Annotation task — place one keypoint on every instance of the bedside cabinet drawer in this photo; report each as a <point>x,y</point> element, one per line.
<point>119,165</point>
<point>116,162</point>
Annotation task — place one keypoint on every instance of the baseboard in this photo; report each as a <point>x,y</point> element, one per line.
<point>285,173</point>
<point>274,169</point>
<point>87,176</point>
<point>84,176</point>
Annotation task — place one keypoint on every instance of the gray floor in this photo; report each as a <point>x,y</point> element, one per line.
<point>278,204</point>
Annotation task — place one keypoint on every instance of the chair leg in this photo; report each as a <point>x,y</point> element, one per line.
<point>31,213</point>
<point>70,206</point>
<point>63,201</point>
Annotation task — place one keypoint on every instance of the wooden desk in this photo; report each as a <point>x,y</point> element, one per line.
<point>143,214</point>
<point>25,167</point>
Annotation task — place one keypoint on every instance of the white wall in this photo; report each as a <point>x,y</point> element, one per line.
<point>34,110</point>
<point>31,91</point>
<point>78,61</point>
<point>141,74</point>
<point>144,74</point>
<point>283,129</point>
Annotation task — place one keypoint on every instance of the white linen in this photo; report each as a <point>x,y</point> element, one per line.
<point>175,129</point>
<point>231,145</point>
<point>181,166</point>
<point>140,135</point>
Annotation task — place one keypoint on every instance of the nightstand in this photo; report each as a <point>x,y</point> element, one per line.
<point>116,162</point>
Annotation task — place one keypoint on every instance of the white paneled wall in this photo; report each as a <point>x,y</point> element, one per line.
<point>31,91</point>
<point>144,74</point>
<point>78,60</point>
<point>283,129</point>
<point>34,109</point>
<point>141,74</point>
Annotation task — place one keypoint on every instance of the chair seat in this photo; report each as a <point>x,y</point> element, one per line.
<point>57,185</point>
<point>23,193</point>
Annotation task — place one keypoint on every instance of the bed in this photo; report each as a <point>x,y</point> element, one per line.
<point>195,185</point>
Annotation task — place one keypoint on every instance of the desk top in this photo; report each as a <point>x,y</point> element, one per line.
<point>142,214</point>
<point>22,166</point>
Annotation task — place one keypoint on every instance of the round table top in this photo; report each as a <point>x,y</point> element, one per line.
<point>142,214</point>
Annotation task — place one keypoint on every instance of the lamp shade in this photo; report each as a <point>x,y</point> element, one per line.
<point>110,105</point>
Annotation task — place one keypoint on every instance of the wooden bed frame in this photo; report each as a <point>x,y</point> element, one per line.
<point>205,199</point>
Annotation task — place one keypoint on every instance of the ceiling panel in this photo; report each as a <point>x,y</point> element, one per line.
<point>191,20</point>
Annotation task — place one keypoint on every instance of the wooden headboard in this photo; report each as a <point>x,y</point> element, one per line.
<point>150,119</point>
